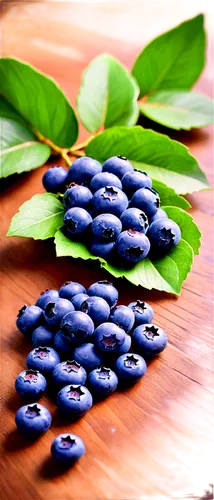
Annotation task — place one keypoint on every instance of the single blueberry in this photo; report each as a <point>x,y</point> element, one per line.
<point>132,246</point>
<point>67,448</point>
<point>103,250</point>
<point>106,227</point>
<point>146,199</point>
<point>77,196</point>
<point>33,420</point>
<point>132,181</point>
<point>55,311</point>
<point>160,214</point>
<point>62,344</point>
<point>46,297</point>
<point>77,326</point>
<point>106,290</point>
<point>109,337</point>
<point>88,356</point>
<point>135,219</point>
<point>29,317</point>
<point>78,299</point>
<point>104,179</point>
<point>68,372</point>
<point>122,316</point>
<point>42,336</point>
<point>111,200</point>
<point>30,385</point>
<point>83,169</point>
<point>70,289</point>
<point>118,165</point>
<point>126,345</point>
<point>74,400</point>
<point>164,234</point>
<point>97,308</point>
<point>77,221</point>
<point>55,179</point>
<point>143,312</point>
<point>43,359</point>
<point>130,368</point>
<point>102,382</point>
<point>149,339</point>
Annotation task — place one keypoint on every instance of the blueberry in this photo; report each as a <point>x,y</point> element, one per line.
<point>67,448</point>
<point>111,200</point>
<point>122,316</point>
<point>47,296</point>
<point>135,219</point>
<point>143,312</point>
<point>70,289</point>
<point>97,308</point>
<point>132,181</point>
<point>74,400</point>
<point>68,372</point>
<point>29,317</point>
<point>30,385</point>
<point>88,356</point>
<point>106,227</point>
<point>130,368</point>
<point>108,337</point>
<point>104,179</point>
<point>77,326</point>
<point>132,246</point>
<point>146,199</point>
<point>43,359</point>
<point>160,214</point>
<point>118,165</point>
<point>55,179</point>
<point>126,345</point>
<point>103,250</point>
<point>102,382</point>
<point>77,221</point>
<point>42,336</point>
<point>77,196</point>
<point>106,290</point>
<point>78,299</point>
<point>55,311</point>
<point>33,420</point>
<point>62,344</point>
<point>149,339</point>
<point>164,234</point>
<point>83,169</point>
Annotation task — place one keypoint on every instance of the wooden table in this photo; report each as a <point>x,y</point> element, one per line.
<point>154,441</point>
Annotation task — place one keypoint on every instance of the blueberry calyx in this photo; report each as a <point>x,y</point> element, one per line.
<point>104,282</point>
<point>108,232</point>
<point>110,341</point>
<point>85,307</point>
<point>32,411</point>
<point>143,220</point>
<point>21,311</point>
<point>167,235</point>
<point>67,442</point>
<point>49,310</point>
<point>122,157</point>
<point>136,251</point>
<point>151,332</point>
<point>104,373</point>
<point>71,224</point>
<point>75,392</point>
<point>131,362</point>
<point>140,306</point>
<point>71,366</point>
<point>30,376</point>
<point>110,193</point>
<point>41,352</point>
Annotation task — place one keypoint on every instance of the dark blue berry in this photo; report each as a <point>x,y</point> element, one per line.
<point>135,219</point>
<point>78,327</point>
<point>70,289</point>
<point>111,200</point>
<point>109,337</point>
<point>77,221</point>
<point>62,344</point>
<point>103,250</point>
<point>78,299</point>
<point>97,308</point>
<point>160,214</point>
<point>29,317</point>
<point>74,400</point>
<point>30,385</point>
<point>149,339</point>
<point>43,359</point>
<point>55,179</point>
<point>33,420</point>
<point>123,316</point>
<point>42,336</point>
<point>83,169</point>
<point>143,312</point>
<point>77,196</point>
<point>146,199</point>
<point>68,372</point>
<point>132,246</point>
<point>104,179</point>
<point>164,234</point>
<point>126,345</point>
<point>130,368</point>
<point>46,297</point>
<point>102,382</point>
<point>132,181</point>
<point>55,311</point>
<point>88,356</point>
<point>118,165</point>
<point>67,448</point>
<point>106,290</point>
<point>106,227</point>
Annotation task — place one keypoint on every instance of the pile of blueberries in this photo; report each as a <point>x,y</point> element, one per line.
<point>81,338</point>
<point>113,209</point>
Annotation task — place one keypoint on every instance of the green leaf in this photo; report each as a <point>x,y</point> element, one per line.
<point>183,256</point>
<point>162,158</point>
<point>174,60</point>
<point>39,100</point>
<point>20,151</point>
<point>38,218</point>
<point>68,248</point>
<point>168,196</point>
<point>8,111</point>
<point>189,230</point>
<point>179,109</point>
<point>107,95</point>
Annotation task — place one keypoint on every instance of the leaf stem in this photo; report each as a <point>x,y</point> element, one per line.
<point>65,157</point>
<point>82,145</point>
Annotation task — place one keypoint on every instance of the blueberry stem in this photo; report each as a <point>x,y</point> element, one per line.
<point>81,145</point>
<point>65,157</point>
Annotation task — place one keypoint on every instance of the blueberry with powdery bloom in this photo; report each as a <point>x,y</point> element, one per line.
<point>29,317</point>
<point>88,356</point>
<point>67,448</point>
<point>83,169</point>
<point>111,200</point>
<point>132,181</point>
<point>55,311</point>
<point>164,234</point>
<point>149,340</point>
<point>71,288</point>
<point>42,336</point>
<point>103,250</point>
<point>77,196</point>
<point>43,359</point>
<point>134,219</point>
<point>74,400</point>
<point>33,420</point>
<point>104,179</point>
<point>132,246</point>
<point>55,179</point>
<point>30,385</point>
<point>77,221</point>
<point>102,382</point>
<point>147,200</point>
<point>68,372</point>
<point>46,297</point>
<point>143,312</point>
<point>130,368</point>
<point>106,290</point>
<point>118,165</point>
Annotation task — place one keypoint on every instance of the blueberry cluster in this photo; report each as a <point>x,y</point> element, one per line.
<point>113,209</point>
<point>83,347</point>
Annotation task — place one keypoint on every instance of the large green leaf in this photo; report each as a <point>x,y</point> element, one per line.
<point>107,95</point>
<point>39,100</point>
<point>189,231</point>
<point>168,196</point>
<point>19,150</point>
<point>162,158</point>
<point>38,218</point>
<point>8,111</point>
<point>174,60</point>
<point>179,109</point>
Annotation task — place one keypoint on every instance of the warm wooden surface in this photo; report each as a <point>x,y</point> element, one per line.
<point>155,441</point>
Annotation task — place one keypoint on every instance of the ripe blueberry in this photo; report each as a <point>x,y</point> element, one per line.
<point>118,165</point>
<point>43,359</point>
<point>106,290</point>
<point>132,181</point>
<point>55,179</point>
<point>68,372</point>
<point>106,227</point>
<point>47,296</point>
<point>132,246</point>
<point>77,221</point>
<point>102,382</point>
<point>83,169</point>
<point>135,219</point>
<point>70,289</point>
<point>88,356</point>
<point>130,368</point>
<point>164,234</point>
<point>33,420</point>
<point>29,317</point>
<point>149,339</point>
<point>74,400</point>
<point>78,299</point>
<point>77,196</point>
<point>108,337</point>
<point>42,336</point>
<point>104,179</point>
<point>146,199</point>
<point>123,316</point>
<point>67,448</point>
<point>111,200</point>
<point>160,214</point>
<point>97,308</point>
<point>77,326</point>
<point>103,250</point>
<point>62,344</point>
<point>30,385</point>
<point>143,312</point>
<point>55,311</point>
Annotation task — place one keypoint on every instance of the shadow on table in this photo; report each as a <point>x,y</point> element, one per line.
<point>50,469</point>
<point>15,441</point>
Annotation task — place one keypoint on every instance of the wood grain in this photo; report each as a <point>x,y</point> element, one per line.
<point>154,441</point>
